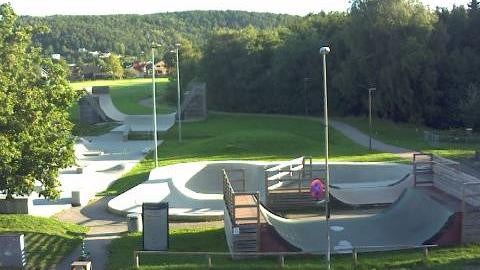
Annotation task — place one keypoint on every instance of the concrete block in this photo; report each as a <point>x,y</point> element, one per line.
<point>80,197</point>
<point>15,206</point>
<point>12,251</point>
<point>134,222</point>
<point>100,89</point>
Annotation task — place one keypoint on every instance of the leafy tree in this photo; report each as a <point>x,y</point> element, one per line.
<point>113,66</point>
<point>35,140</point>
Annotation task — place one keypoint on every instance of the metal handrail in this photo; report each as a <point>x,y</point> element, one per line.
<point>281,255</point>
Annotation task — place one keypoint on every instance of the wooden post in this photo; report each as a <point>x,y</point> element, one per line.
<point>425,254</point>
<point>136,259</point>
<point>209,261</point>
<point>257,195</point>
<point>266,187</point>
<point>281,261</point>
<point>355,257</point>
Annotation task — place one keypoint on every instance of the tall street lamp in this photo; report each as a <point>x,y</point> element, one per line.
<point>370,90</point>
<point>324,51</point>
<point>179,106</point>
<point>305,94</point>
<point>154,46</point>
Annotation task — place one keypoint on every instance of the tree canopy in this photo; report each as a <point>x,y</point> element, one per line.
<point>423,63</point>
<point>35,140</point>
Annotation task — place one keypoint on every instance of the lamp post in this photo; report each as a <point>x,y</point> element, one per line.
<point>154,46</point>
<point>305,96</point>
<point>324,51</point>
<point>370,90</point>
<point>179,106</point>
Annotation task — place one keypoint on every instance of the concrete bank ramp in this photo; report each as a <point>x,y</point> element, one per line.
<point>144,123</point>
<point>371,192</point>
<point>107,106</point>
<point>139,123</point>
<point>193,190</point>
<point>412,220</point>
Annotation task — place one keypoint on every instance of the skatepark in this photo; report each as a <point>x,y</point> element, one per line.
<point>194,190</point>
<point>418,209</point>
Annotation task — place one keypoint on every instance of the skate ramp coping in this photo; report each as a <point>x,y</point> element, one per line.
<point>414,219</point>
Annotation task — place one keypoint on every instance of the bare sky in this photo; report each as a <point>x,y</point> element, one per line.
<point>95,7</point>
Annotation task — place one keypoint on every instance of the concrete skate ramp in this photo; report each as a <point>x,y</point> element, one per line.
<point>363,174</point>
<point>144,123</point>
<point>193,190</point>
<point>412,220</point>
<point>198,181</point>
<point>372,192</point>
<point>107,106</point>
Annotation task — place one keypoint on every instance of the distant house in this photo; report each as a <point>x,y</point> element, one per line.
<point>136,70</point>
<point>56,56</point>
<point>104,55</point>
<point>75,73</point>
<point>93,72</point>
<point>161,69</point>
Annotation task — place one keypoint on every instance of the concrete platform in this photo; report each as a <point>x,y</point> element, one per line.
<point>99,171</point>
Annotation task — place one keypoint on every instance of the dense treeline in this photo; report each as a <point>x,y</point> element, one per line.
<point>132,34</point>
<point>425,64</point>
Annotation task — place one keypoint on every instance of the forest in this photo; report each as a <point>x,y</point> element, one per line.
<point>424,63</point>
<point>132,34</point>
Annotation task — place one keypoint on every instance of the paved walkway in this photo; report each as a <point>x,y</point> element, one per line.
<point>363,139</point>
<point>103,228</point>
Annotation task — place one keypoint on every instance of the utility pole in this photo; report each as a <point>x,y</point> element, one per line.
<point>324,51</point>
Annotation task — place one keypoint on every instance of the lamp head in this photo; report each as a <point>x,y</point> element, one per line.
<point>156,45</point>
<point>324,50</point>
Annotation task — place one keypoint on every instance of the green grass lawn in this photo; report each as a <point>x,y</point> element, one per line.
<point>247,137</point>
<point>126,94</point>
<point>47,240</point>
<point>213,240</point>
<point>410,136</point>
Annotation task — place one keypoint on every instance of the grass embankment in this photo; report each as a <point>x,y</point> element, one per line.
<point>410,136</point>
<point>247,137</point>
<point>213,240</point>
<point>47,240</point>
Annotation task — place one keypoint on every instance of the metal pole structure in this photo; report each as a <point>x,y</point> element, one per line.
<point>370,117</point>
<point>154,46</point>
<point>324,51</point>
<point>179,106</point>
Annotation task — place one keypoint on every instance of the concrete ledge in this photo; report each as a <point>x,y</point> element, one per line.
<point>80,197</point>
<point>15,206</point>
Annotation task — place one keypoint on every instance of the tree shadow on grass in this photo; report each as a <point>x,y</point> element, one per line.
<point>44,250</point>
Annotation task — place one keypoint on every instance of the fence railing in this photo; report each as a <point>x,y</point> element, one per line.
<point>355,251</point>
<point>435,139</point>
<point>229,196</point>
